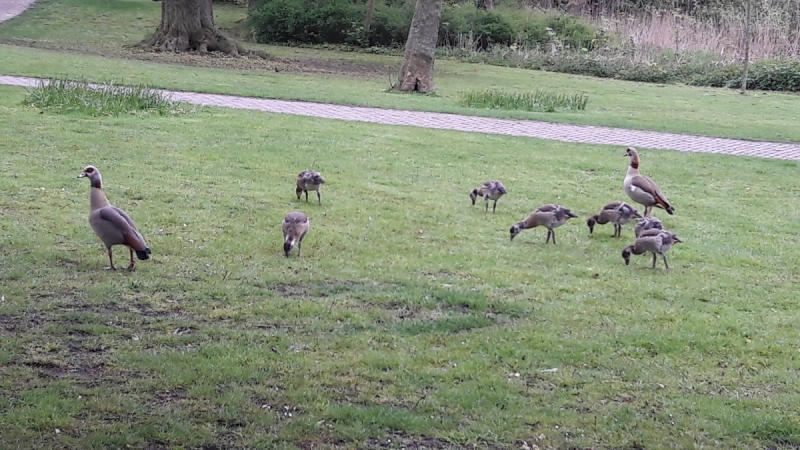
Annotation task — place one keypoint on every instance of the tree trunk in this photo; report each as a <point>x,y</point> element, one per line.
<point>368,20</point>
<point>189,25</point>
<point>416,74</point>
<point>746,62</point>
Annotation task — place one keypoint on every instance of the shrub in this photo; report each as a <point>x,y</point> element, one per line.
<point>537,100</point>
<point>64,96</point>
<point>774,75</point>
<point>342,22</point>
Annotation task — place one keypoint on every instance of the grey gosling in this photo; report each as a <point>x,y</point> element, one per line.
<point>309,180</point>
<point>647,223</point>
<point>295,226</point>
<point>549,216</point>
<point>654,241</point>
<point>618,213</point>
<point>489,190</point>
<point>111,224</point>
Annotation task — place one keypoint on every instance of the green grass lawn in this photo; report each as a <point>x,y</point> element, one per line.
<point>85,40</point>
<point>410,317</point>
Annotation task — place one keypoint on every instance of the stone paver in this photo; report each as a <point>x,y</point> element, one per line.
<point>13,8</point>
<point>526,128</point>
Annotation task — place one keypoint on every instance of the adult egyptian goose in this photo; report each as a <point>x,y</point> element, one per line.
<point>309,180</point>
<point>489,190</point>
<point>654,241</point>
<point>550,216</point>
<point>647,223</point>
<point>642,189</point>
<point>295,226</point>
<point>618,213</point>
<point>111,224</point>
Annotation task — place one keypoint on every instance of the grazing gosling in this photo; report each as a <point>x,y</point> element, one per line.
<point>489,190</point>
<point>550,216</point>
<point>309,180</point>
<point>647,223</point>
<point>112,225</point>
<point>295,226</point>
<point>654,241</point>
<point>618,213</point>
<point>643,190</point>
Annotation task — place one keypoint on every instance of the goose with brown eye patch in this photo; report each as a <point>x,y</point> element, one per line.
<point>295,226</point>
<point>309,180</point>
<point>643,190</point>
<point>489,190</point>
<point>112,225</point>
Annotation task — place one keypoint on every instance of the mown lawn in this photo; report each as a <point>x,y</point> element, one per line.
<point>410,317</point>
<point>85,39</point>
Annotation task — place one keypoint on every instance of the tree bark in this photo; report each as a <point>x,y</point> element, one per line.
<point>368,20</point>
<point>189,25</point>
<point>416,73</point>
<point>746,62</point>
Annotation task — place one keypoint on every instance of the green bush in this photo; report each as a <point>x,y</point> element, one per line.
<point>766,75</point>
<point>342,22</point>
<point>774,75</point>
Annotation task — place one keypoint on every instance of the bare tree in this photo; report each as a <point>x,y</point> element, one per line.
<point>368,20</point>
<point>189,25</point>
<point>416,73</point>
<point>748,15</point>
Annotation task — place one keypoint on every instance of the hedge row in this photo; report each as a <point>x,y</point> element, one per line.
<point>766,75</point>
<point>342,22</point>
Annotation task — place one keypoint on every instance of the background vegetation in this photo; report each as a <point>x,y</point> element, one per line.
<point>697,42</point>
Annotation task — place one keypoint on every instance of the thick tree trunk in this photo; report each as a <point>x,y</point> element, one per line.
<point>189,25</point>
<point>416,74</point>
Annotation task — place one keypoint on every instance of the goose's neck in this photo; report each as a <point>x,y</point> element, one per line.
<point>97,198</point>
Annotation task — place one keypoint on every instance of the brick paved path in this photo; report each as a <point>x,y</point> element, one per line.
<point>13,8</point>
<point>526,128</point>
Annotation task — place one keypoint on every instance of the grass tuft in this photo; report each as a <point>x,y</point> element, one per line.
<point>67,96</point>
<point>537,100</point>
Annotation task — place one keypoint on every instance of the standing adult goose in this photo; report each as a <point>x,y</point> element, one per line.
<point>654,241</point>
<point>111,224</point>
<point>642,189</point>
<point>489,190</point>
<point>618,213</point>
<point>295,226</point>
<point>309,180</point>
<point>550,216</point>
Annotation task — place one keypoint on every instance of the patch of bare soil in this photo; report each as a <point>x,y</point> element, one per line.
<point>403,440</point>
<point>218,60</point>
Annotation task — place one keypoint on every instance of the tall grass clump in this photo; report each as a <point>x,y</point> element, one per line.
<point>537,100</point>
<point>67,96</point>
